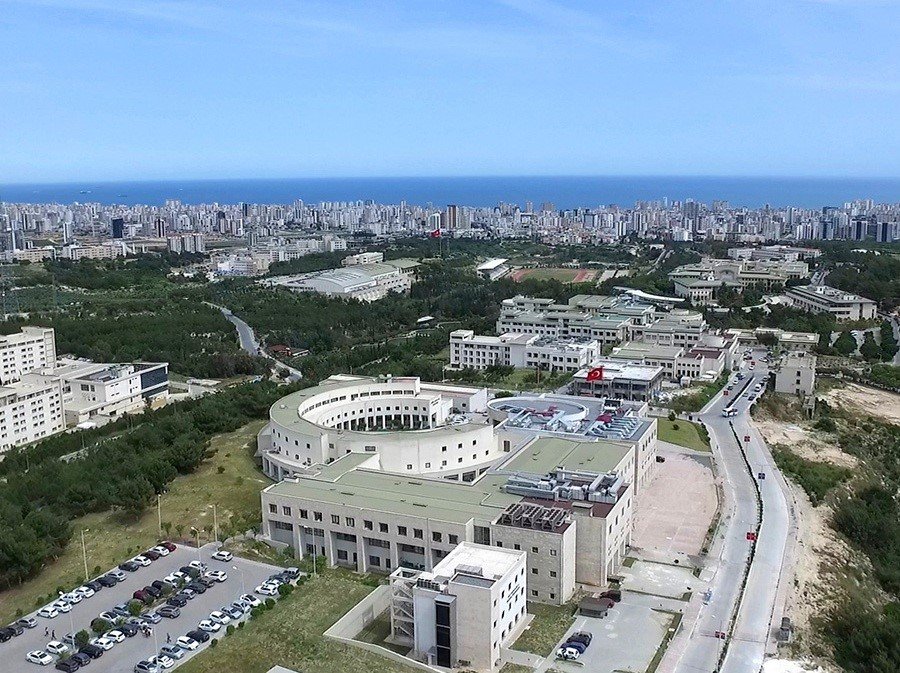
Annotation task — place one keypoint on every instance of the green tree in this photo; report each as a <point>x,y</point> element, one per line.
<point>845,344</point>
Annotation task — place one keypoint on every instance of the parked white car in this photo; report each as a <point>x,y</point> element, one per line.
<point>72,598</point>
<point>48,612</point>
<point>84,592</point>
<point>62,606</point>
<point>219,617</point>
<point>103,643</point>
<point>39,657</point>
<point>209,626</point>
<point>223,555</point>
<point>162,661</point>
<point>217,575</point>
<point>142,561</point>
<point>186,643</point>
<point>56,647</point>
<point>162,551</point>
<point>252,600</point>
<point>116,636</point>
<point>266,590</point>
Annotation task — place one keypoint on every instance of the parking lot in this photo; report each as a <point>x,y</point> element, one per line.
<point>625,640</point>
<point>659,579</point>
<point>123,656</point>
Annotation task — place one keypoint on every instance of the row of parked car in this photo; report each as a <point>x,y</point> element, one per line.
<point>75,657</point>
<point>217,620</point>
<point>575,645</point>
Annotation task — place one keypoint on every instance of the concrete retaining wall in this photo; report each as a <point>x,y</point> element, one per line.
<point>359,617</point>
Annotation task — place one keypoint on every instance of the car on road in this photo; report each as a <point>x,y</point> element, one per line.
<point>103,643</point>
<point>130,566</point>
<point>27,622</point>
<point>48,612</point>
<point>56,647</point>
<point>145,666</point>
<point>67,665</point>
<point>92,651</point>
<point>199,635</point>
<point>223,555</point>
<point>172,651</point>
<point>6,634</point>
<point>168,611</point>
<point>209,626</point>
<point>220,617</point>
<point>62,606</point>
<point>39,657</point>
<point>108,581</point>
<point>187,643</point>
<point>217,575</point>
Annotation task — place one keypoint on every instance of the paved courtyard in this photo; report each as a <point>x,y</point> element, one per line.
<point>675,511</point>
<point>659,579</point>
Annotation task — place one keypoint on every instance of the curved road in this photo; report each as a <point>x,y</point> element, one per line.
<point>749,616</point>
<point>250,344</point>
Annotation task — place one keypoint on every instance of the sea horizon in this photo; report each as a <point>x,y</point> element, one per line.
<point>564,192</point>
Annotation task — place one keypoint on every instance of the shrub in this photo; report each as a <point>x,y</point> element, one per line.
<point>285,590</point>
<point>229,629</point>
<point>220,469</point>
<point>270,603</point>
<point>99,626</point>
<point>257,611</point>
<point>675,426</point>
<point>213,642</point>
<point>671,415</point>
<point>240,625</point>
<point>82,638</point>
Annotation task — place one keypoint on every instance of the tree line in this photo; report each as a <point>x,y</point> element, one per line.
<point>39,498</point>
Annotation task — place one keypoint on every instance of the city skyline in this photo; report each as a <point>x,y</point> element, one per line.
<point>186,90</point>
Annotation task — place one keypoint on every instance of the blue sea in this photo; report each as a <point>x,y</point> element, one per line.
<point>562,191</point>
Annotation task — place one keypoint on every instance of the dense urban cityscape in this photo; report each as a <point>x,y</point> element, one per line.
<point>489,417</point>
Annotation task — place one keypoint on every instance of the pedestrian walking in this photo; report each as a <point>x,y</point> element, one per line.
<point>53,634</point>
<point>46,631</point>
<point>168,638</point>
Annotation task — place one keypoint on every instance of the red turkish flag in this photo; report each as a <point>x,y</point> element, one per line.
<point>596,374</point>
<point>436,233</point>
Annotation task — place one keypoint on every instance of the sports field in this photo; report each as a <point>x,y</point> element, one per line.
<point>556,273</point>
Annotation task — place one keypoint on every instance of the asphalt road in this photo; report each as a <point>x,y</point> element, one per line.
<point>123,657</point>
<point>250,344</point>
<point>755,605</point>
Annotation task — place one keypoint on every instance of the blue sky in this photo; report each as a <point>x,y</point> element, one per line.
<point>157,89</point>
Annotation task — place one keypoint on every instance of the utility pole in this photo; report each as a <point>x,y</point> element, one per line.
<point>215,524</point>
<point>84,555</point>
<point>159,512</point>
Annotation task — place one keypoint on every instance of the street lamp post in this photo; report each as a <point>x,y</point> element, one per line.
<point>196,532</point>
<point>215,525</point>
<point>159,512</point>
<point>241,571</point>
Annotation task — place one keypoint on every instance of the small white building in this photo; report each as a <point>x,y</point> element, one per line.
<point>796,375</point>
<point>363,258</point>
<point>463,612</point>
<point>493,269</point>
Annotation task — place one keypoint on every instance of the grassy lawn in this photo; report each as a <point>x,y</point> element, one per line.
<point>110,539</point>
<point>377,632</point>
<point>291,635</point>
<point>683,433</point>
<point>550,273</point>
<point>545,630</point>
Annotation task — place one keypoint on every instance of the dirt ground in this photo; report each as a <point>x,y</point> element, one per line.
<point>859,399</point>
<point>804,442</point>
<point>662,522</point>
